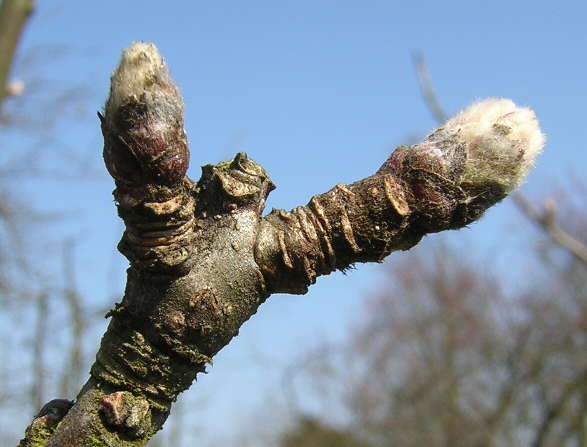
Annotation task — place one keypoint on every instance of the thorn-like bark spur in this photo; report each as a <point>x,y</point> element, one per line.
<point>203,257</point>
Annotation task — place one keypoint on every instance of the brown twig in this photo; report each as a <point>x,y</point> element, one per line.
<point>428,93</point>
<point>71,376</point>
<point>553,410</point>
<point>13,17</point>
<point>39,347</point>
<point>546,219</point>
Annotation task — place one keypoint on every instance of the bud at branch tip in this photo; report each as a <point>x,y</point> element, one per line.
<point>502,141</point>
<point>141,68</point>
<point>144,138</point>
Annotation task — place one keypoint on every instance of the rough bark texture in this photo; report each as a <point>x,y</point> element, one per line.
<point>203,257</point>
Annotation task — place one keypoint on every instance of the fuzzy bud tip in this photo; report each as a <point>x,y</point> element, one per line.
<point>472,162</point>
<point>502,141</point>
<point>144,138</point>
<point>141,68</point>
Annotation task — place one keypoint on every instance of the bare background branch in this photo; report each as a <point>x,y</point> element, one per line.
<point>13,17</point>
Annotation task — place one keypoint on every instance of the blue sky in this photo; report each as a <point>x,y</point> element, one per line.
<point>318,92</point>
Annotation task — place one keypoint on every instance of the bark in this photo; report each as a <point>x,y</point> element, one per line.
<point>203,257</point>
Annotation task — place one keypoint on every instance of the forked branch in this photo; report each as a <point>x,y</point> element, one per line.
<point>203,257</point>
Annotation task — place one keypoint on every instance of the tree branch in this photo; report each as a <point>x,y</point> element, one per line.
<point>445,182</point>
<point>72,375</point>
<point>39,347</point>
<point>203,258</point>
<point>426,88</point>
<point>553,410</point>
<point>548,222</point>
<point>13,16</point>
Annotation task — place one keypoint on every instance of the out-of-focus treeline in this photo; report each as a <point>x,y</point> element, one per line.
<point>44,320</point>
<point>445,355</point>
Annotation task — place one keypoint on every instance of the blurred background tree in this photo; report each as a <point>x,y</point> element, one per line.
<point>44,317</point>
<point>446,355</point>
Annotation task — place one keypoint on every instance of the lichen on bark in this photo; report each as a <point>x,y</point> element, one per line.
<point>203,257</point>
